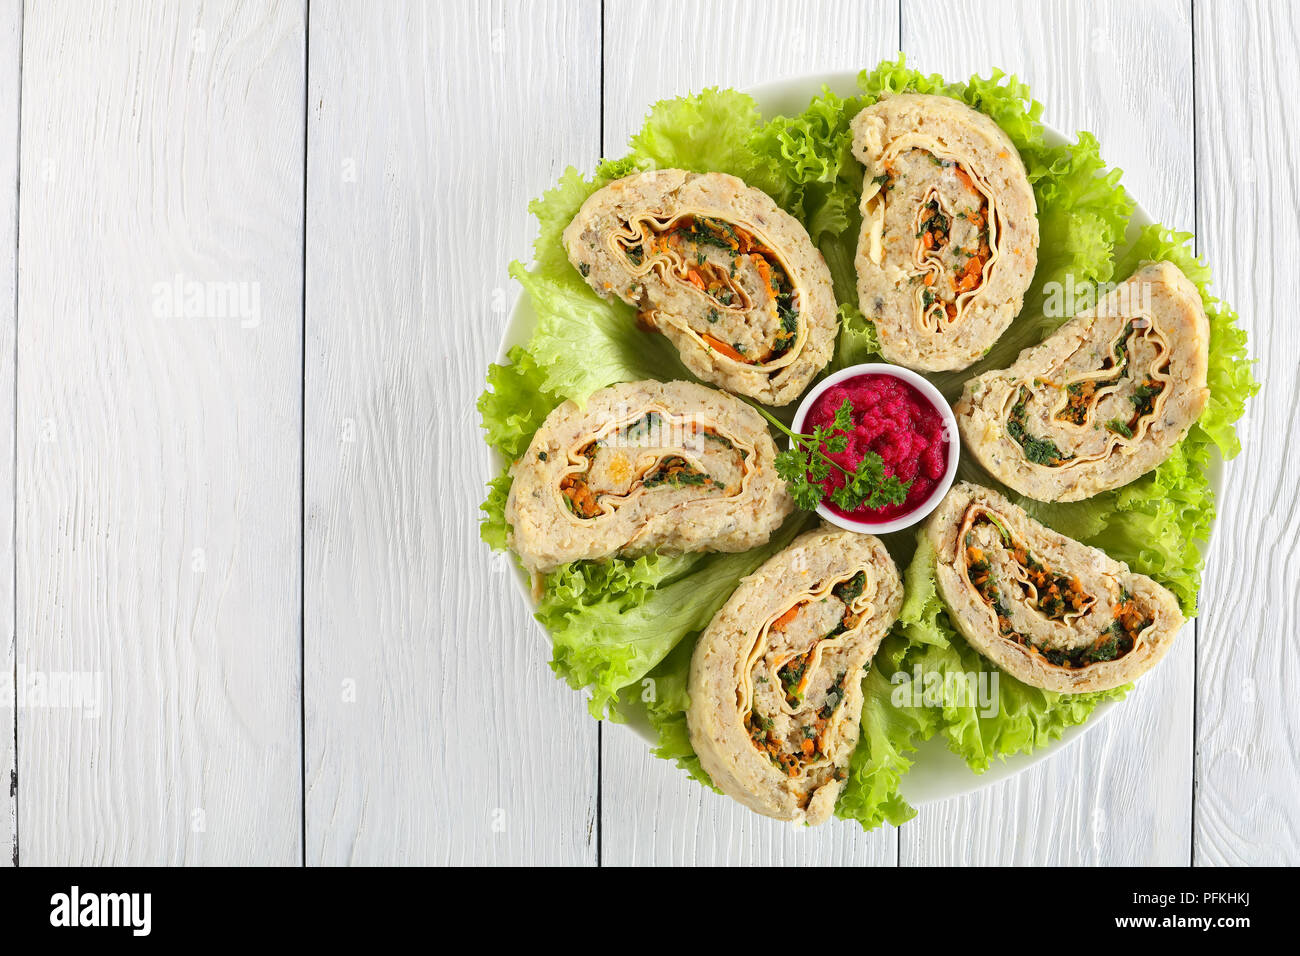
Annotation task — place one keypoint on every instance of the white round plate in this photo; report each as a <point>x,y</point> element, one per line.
<point>937,773</point>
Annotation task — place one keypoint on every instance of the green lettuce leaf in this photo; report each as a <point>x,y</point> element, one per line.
<point>708,132</point>
<point>886,736</point>
<point>510,410</point>
<point>582,343</point>
<point>813,151</point>
<point>494,529</point>
<point>858,342</point>
<point>666,705</point>
<point>515,404</point>
<point>813,154</point>
<point>612,621</point>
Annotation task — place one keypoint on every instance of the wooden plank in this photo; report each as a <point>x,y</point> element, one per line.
<point>157,434</point>
<point>435,731</point>
<point>1123,70</point>
<point>11,18</point>
<point>650,812</point>
<point>1248,728</point>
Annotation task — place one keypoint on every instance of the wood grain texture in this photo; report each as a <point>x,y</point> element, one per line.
<point>157,442</point>
<point>11,16</point>
<point>1123,70</point>
<point>651,813</point>
<point>1248,740</point>
<point>436,733</point>
<point>157,491</point>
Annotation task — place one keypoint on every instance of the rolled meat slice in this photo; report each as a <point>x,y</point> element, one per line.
<point>949,237</point>
<point>729,277</point>
<point>776,678</point>
<point>645,466</point>
<point>1102,400</point>
<point>1049,611</point>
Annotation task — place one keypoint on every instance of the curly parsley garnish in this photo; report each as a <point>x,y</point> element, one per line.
<point>806,465</point>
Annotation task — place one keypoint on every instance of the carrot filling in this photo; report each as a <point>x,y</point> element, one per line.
<point>1054,595</point>
<point>707,254</point>
<point>790,753</point>
<point>1079,400</point>
<point>583,499</point>
<point>953,230</point>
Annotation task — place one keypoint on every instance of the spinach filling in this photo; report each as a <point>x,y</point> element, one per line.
<point>1143,397</point>
<point>850,590</point>
<point>1040,451</point>
<point>1080,395</point>
<point>675,471</point>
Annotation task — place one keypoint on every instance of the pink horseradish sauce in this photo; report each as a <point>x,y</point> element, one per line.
<point>899,424</point>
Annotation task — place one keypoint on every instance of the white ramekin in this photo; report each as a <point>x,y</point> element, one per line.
<point>923,386</point>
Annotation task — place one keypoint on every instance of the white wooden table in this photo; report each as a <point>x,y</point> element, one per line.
<point>252,269</point>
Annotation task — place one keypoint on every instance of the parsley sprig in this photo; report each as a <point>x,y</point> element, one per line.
<point>805,466</point>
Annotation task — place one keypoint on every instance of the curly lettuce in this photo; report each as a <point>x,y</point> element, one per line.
<point>515,403</point>
<point>887,734</point>
<point>612,621</point>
